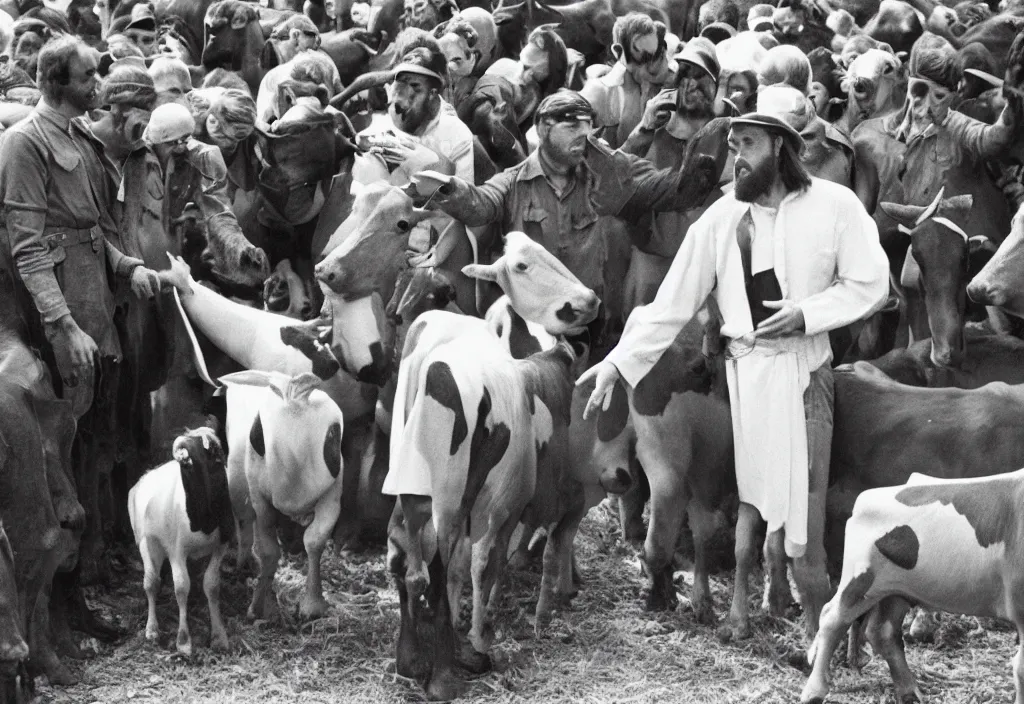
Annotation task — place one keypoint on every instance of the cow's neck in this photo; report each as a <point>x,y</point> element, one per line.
<point>232,327</point>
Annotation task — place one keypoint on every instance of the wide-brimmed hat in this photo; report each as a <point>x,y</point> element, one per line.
<point>718,31</point>
<point>142,17</point>
<point>776,106</point>
<point>700,52</point>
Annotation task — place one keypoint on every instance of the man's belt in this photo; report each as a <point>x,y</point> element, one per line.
<point>70,237</point>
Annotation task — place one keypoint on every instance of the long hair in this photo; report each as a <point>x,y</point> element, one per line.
<point>791,170</point>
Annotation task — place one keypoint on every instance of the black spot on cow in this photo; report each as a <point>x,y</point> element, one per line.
<point>378,371</point>
<point>987,505</point>
<point>332,449</point>
<point>857,588</point>
<point>900,546</point>
<point>566,314</point>
<point>441,387</point>
<point>305,340</point>
<point>612,422</point>
<point>679,370</point>
<point>486,448</point>
<point>205,483</point>
<point>521,343</point>
<point>256,437</point>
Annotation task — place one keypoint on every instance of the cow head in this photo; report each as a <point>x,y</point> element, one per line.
<point>299,102</point>
<point>942,251</point>
<point>896,24</point>
<point>1001,282</point>
<point>176,39</point>
<point>539,286</point>
<point>874,84</point>
<point>427,14</point>
<point>201,459</point>
<point>231,27</point>
<point>300,156</point>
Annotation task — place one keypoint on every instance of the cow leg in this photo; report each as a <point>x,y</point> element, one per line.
<point>777,595</point>
<point>631,507</point>
<point>810,570</point>
<point>885,630</point>
<point>737,626</point>
<point>42,651</point>
<point>556,583</point>
<point>856,655</point>
<point>488,562</point>
<point>153,558</point>
<point>211,587</point>
<point>417,513</point>
<point>1018,665</point>
<point>407,649</point>
<point>267,553</point>
<point>669,500</point>
<point>442,685</point>
<point>702,524</point>
<point>844,609</point>
<point>182,586</point>
<point>313,604</point>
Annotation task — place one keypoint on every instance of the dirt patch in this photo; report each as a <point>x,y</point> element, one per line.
<point>604,649</point>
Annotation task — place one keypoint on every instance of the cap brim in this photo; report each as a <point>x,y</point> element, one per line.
<point>147,24</point>
<point>682,58</point>
<point>417,69</point>
<point>985,76</point>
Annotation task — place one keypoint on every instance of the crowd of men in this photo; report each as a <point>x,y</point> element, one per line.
<point>113,149</point>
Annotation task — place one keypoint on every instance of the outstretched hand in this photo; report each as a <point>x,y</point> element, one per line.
<point>604,375</point>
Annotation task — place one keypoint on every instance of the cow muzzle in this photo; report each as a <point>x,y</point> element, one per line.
<point>985,294</point>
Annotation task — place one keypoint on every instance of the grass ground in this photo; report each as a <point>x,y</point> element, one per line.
<point>605,649</point>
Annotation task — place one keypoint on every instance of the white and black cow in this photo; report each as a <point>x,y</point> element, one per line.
<point>182,510</point>
<point>284,456</point>
<point>954,545</point>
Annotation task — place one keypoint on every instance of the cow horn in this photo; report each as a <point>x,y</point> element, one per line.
<point>363,82</point>
<point>906,215</point>
<point>932,208</point>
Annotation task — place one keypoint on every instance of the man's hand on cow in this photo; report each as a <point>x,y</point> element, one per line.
<point>145,282</point>
<point>604,375</point>
<point>659,110</point>
<point>427,183</point>
<point>75,351</point>
<point>789,320</point>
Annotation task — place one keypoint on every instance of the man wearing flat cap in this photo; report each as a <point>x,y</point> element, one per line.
<point>560,193</point>
<point>788,258</point>
<point>673,120</point>
<point>139,28</point>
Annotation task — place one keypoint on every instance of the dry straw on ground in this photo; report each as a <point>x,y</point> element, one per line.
<point>605,649</point>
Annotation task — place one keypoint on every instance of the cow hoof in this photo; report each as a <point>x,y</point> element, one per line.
<point>909,698</point>
<point>519,561</point>
<point>730,632</point>
<point>220,643</point>
<point>152,634</point>
<point>417,583</point>
<point>474,662</point>
<point>704,614</point>
<point>443,687</point>
<point>184,645</point>
<point>659,601</point>
<point>311,608</point>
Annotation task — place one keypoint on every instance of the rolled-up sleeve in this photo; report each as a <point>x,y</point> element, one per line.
<point>476,206</point>
<point>651,329</point>
<point>25,207</point>
<point>862,274</point>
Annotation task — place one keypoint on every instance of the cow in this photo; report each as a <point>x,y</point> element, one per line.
<point>284,456</point>
<point>234,39</point>
<point>989,358</point>
<point>948,544</point>
<point>286,293</point>
<point>999,283</point>
<point>477,420</point>
<point>181,510</point>
<point>944,257</point>
<point>874,85</point>
<point>15,686</point>
<point>897,24</point>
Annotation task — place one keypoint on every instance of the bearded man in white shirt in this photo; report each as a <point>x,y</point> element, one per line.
<point>788,257</point>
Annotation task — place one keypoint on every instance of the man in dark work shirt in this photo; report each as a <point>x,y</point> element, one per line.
<point>662,138</point>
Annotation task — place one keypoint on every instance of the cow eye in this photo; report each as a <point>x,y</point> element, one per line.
<point>403,226</point>
<point>888,69</point>
<point>522,266</point>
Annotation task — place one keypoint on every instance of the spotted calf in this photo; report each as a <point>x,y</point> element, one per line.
<point>949,544</point>
<point>284,457</point>
<point>182,510</point>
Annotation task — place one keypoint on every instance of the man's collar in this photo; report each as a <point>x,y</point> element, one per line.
<point>533,167</point>
<point>53,114</point>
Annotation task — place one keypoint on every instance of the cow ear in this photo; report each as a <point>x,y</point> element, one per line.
<point>902,56</point>
<point>905,215</point>
<point>275,381</point>
<point>484,272</point>
<point>240,18</point>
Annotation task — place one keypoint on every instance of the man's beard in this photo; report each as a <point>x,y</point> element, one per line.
<point>82,102</point>
<point>412,118</point>
<point>757,182</point>
<point>695,106</point>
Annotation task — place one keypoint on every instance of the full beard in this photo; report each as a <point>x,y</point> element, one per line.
<point>409,121</point>
<point>757,182</point>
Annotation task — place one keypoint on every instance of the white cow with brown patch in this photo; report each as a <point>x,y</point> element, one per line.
<point>948,544</point>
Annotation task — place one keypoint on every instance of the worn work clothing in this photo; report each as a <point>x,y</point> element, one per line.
<point>825,252</point>
<point>607,183</point>
<point>619,100</point>
<point>57,196</point>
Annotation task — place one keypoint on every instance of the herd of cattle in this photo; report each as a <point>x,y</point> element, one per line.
<point>308,416</point>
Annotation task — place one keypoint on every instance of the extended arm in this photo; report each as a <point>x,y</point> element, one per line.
<point>979,140</point>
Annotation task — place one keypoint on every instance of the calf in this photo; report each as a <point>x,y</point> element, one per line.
<point>284,456</point>
<point>182,510</point>
<point>875,85</point>
<point>952,545</point>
